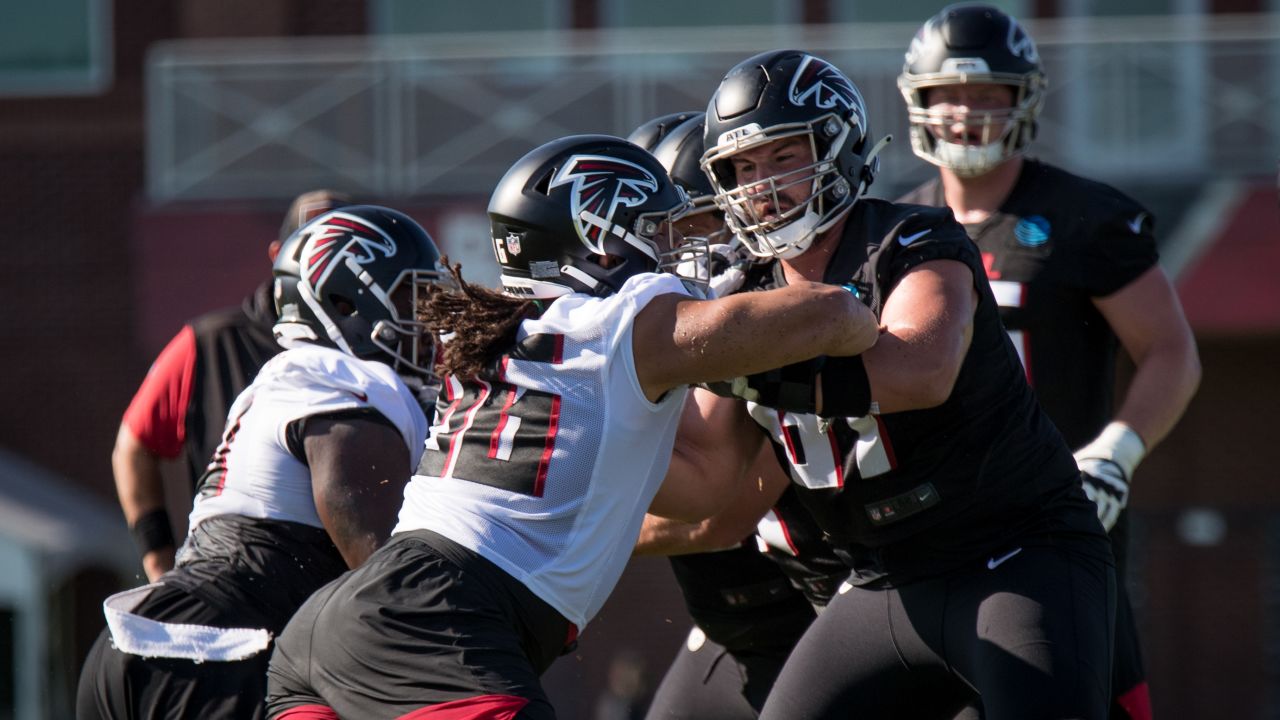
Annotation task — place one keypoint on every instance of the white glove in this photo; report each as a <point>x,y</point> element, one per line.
<point>1107,466</point>
<point>722,268</point>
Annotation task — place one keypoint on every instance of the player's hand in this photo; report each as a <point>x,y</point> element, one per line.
<point>723,268</point>
<point>1107,466</point>
<point>789,388</point>
<point>1106,485</point>
<point>158,562</point>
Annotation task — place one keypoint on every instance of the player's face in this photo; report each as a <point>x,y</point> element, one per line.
<point>777,175</point>
<point>708,225</point>
<point>668,235</point>
<point>971,113</point>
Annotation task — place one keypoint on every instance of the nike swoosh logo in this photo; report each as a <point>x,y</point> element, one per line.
<point>359,396</point>
<point>908,239</point>
<point>1136,224</point>
<point>994,563</point>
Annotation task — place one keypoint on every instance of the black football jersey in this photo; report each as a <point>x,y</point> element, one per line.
<point>741,599</point>
<point>1056,243</point>
<point>912,494</point>
<point>791,538</point>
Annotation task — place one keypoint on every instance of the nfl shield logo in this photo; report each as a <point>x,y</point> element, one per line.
<point>513,243</point>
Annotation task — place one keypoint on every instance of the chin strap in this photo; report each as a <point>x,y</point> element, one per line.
<point>873,163</point>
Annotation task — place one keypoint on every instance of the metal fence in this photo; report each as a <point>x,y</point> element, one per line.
<point>1179,98</point>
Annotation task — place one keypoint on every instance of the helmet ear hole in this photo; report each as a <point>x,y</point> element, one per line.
<point>343,305</point>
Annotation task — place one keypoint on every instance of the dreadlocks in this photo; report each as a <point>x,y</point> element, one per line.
<point>480,323</point>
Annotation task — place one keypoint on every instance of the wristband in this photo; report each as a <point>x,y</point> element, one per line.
<point>846,389</point>
<point>152,531</point>
<point>1119,444</point>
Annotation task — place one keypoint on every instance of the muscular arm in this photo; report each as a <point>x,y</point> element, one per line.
<point>928,325</point>
<point>140,487</point>
<point>713,449</point>
<point>680,341</point>
<point>1147,318</point>
<point>358,472</point>
<point>766,482</point>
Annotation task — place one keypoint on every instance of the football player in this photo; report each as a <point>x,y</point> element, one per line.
<point>1072,263</point>
<point>553,431</point>
<point>180,408</point>
<point>746,613</point>
<point>978,565</point>
<point>306,483</point>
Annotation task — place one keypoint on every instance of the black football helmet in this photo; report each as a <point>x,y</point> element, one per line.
<point>652,132</point>
<point>582,214</point>
<point>972,44</point>
<point>680,152</point>
<point>782,94</point>
<point>351,279</point>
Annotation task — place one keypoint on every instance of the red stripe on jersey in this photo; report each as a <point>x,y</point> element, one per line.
<point>496,438</point>
<point>1136,701</point>
<point>553,424</point>
<point>571,636</point>
<point>888,446</point>
<point>988,264</point>
<point>557,356</point>
<point>223,453</point>
<point>786,533</point>
<point>468,418</point>
<point>308,712</point>
<point>786,436</point>
<point>835,458</point>
<point>483,707</point>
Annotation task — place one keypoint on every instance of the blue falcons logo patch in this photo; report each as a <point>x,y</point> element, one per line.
<point>600,185</point>
<point>337,236</point>
<point>818,83</point>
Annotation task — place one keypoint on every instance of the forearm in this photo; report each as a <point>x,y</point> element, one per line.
<point>665,536</point>
<point>140,487</point>
<point>757,491</point>
<point>138,479</point>
<point>1160,390</point>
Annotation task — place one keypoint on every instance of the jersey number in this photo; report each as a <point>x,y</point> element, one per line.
<point>495,434</point>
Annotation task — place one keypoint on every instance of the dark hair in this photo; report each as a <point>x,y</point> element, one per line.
<point>481,323</point>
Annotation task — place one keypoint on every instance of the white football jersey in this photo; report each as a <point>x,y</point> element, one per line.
<point>547,470</point>
<point>254,474</point>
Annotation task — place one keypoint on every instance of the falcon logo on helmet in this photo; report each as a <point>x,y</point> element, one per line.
<point>342,238</point>
<point>1020,43</point>
<point>600,185</point>
<point>819,84</point>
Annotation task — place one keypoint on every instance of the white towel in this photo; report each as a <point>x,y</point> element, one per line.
<point>137,635</point>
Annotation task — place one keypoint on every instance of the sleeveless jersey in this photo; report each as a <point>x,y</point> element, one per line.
<point>547,464</point>
<point>1057,242</point>
<point>182,405</point>
<point>913,494</point>
<point>254,474</point>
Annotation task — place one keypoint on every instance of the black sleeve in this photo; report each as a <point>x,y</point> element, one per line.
<point>927,236</point>
<point>1116,250</point>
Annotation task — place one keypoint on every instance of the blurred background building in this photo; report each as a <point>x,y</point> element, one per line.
<point>148,149</point>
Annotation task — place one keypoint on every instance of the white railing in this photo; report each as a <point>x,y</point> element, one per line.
<point>1182,98</point>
